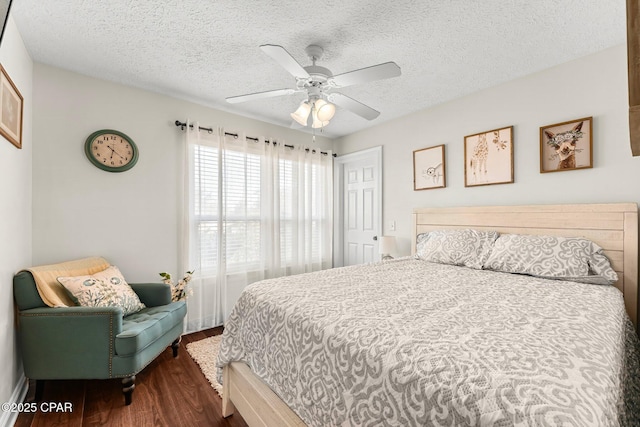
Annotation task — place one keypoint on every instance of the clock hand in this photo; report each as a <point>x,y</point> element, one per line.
<point>121,156</point>
<point>114,151</point>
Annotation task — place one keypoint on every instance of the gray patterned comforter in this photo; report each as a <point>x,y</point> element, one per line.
<point>413,343</point>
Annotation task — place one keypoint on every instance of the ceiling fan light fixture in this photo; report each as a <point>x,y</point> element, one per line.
<point>316,123</point>
<point>325,110</point>
<point>302,113</point>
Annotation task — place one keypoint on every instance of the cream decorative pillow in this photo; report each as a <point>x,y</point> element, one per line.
<point>106,288</point>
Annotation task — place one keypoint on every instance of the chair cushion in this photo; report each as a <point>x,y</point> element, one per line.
<point>141,329</point>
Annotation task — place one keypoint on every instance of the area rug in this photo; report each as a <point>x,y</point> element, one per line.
<point>205,353</point>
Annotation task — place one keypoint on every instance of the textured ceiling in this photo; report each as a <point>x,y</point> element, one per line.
<point>205,51</point>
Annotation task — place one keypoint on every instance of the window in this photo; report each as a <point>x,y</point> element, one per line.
<point>316,212</point>
<point>256,212</point>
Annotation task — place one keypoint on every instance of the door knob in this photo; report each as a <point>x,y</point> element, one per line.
<point>375,237</point>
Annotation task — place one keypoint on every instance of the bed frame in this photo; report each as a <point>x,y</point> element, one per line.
<point>612,226</point>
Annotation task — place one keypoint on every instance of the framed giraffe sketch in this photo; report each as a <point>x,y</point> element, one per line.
<point>566,146</point>
<point>488,157</point>
<point>429,168</point>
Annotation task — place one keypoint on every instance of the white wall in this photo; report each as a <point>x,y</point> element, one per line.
<point>15,214</point>
<point>595,85</point>
<point>130,218</point>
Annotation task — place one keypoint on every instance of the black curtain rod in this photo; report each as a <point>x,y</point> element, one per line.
<point>235,135</point>
<point>182,125</point>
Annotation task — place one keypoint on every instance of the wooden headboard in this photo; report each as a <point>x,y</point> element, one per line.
<point>613,226</point>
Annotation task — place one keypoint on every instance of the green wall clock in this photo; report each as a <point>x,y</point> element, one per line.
<point>111,150</point>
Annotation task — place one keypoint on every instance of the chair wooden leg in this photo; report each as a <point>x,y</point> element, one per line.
<point>128,385</point>
<point>38,387</point>
<point>175,346</point>
<point>39,390</point>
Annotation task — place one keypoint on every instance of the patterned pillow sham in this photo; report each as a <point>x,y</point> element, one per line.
<point>466,247</point>
<point>550,257</point>
<point>106,288</point>
<point>421,237</point>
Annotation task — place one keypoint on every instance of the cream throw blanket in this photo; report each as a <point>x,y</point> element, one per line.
<point>53,293</point>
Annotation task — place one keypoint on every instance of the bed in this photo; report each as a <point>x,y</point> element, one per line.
<point>409,342</point>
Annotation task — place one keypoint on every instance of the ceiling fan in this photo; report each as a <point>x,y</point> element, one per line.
<point>319,83</point>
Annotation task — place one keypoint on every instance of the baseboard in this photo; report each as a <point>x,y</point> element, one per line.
<point>8,418</point>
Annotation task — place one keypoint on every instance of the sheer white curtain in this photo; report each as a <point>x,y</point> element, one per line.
<point>252,210</point>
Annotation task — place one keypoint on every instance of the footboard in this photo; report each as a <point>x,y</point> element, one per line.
<point>256,402</point>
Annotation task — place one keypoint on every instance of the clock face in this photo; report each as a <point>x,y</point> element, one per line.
<point>111,150</point>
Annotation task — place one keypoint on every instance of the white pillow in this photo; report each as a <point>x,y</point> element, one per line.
<point>467,247</point>
<point>106,288</point>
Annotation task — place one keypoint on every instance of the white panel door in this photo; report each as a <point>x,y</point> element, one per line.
<point>360,214</point>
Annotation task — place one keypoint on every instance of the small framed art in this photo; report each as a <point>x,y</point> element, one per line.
<point>566,146</point>
<point>488,157</point>
<point>10,109</point>
<point>429,168</point>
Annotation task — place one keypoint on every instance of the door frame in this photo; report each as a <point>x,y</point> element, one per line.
<point>338,198</point>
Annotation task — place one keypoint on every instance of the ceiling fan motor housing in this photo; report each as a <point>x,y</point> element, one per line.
<point>318,75</point>
<point>318,79</point>
<point>319,72</point>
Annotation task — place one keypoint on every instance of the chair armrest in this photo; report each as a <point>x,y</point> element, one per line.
<point>59,321</point>
<point>152,294</point>
<point>69,342</point>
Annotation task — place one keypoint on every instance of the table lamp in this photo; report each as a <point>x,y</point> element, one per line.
<point>387,246</point>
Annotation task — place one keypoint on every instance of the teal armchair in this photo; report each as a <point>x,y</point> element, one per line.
<point>94,343</point>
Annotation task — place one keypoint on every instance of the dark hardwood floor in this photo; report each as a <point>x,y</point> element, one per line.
<point>169,392</point>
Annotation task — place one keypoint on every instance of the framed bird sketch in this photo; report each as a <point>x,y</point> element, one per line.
<point>488,157</point>
<point>428,168</point>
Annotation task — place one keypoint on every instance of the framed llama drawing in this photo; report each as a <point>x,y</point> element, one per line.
<point>429,168</point>
<point>488,157</point>
<point>566,146</point>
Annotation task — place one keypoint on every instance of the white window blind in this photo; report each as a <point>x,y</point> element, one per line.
<point>227,190</point>
<point>256,211</point>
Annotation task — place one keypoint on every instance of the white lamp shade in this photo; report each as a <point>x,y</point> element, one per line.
<point>302,113</point>
<point>324,110</point>
<point>387,245</point>
<point>317,123</point>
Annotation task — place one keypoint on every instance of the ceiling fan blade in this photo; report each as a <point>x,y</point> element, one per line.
<point>364,75</point>
<point>354,106</point>
<point>259,95</point>
<point>284,58</point>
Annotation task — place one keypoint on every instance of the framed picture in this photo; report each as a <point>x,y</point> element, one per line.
<point>566,146</point>
<point>5,7</point>
<point>428,168</point>
<point>10,109</point>
<point>488,157</point>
